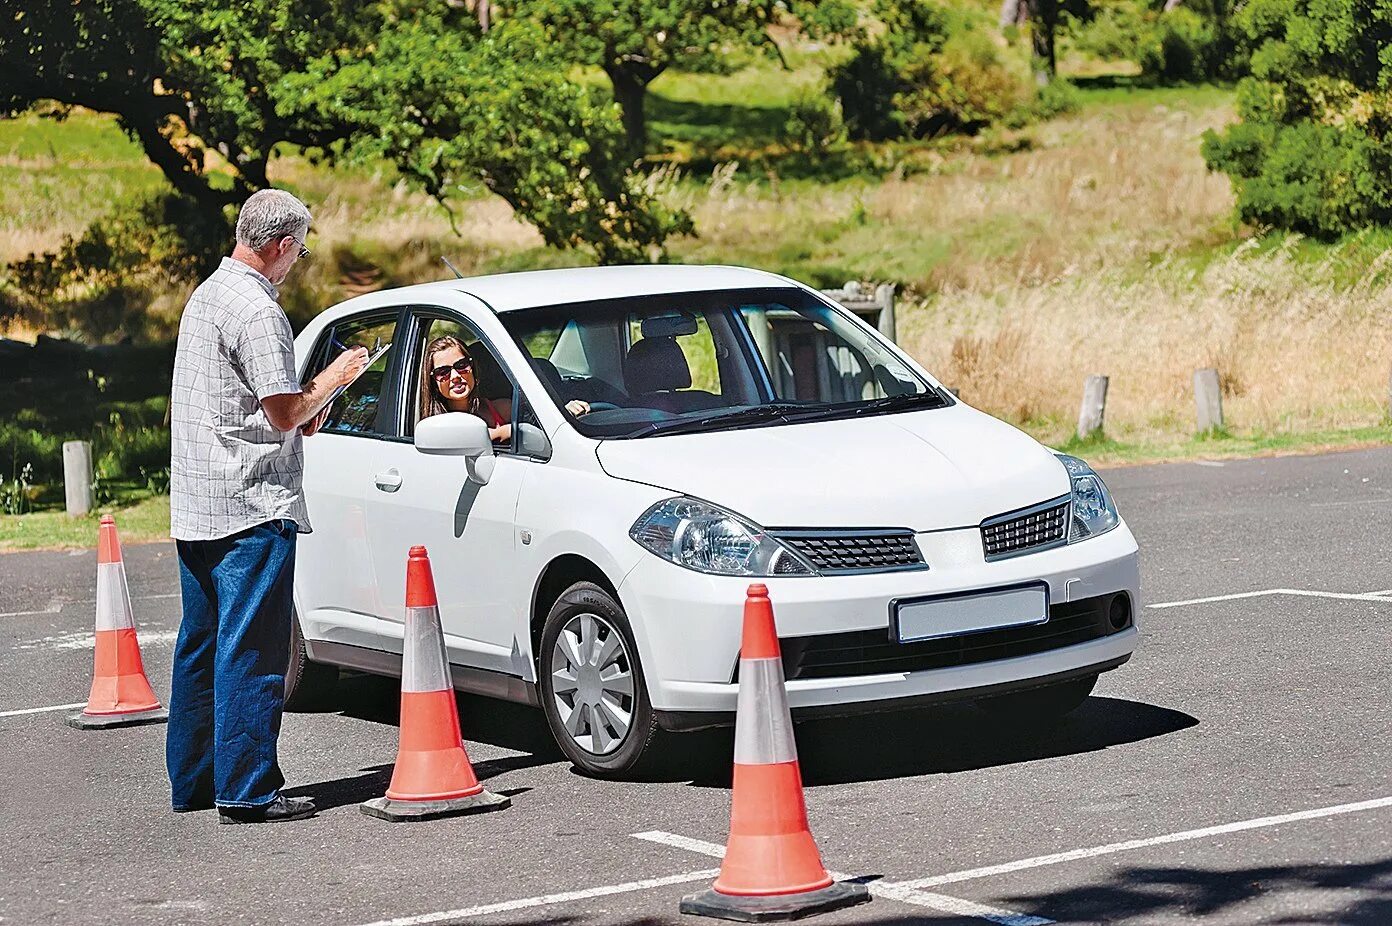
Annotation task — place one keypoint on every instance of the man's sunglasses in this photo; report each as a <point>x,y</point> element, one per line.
<point>442,373</point>
<point>304,251</point>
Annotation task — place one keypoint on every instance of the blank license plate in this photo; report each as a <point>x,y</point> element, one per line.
<point>971,612</point>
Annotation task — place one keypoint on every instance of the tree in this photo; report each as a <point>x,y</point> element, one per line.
<point>636,41</point>
<point>1312,151</point>
<point>236,78</point>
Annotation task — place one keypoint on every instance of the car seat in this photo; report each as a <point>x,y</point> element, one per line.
<point>658,376</point>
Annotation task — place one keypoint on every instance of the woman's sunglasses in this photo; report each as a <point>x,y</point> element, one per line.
<point>442,373</point>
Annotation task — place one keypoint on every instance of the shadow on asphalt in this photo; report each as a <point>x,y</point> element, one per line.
<point>373,781</point>
<point>952,738</point>
<point>873,747</point>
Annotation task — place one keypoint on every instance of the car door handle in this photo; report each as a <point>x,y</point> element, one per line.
<point>389,481</point>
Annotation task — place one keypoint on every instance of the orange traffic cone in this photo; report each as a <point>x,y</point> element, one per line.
<point>772,870</point>
<point>121,695</point>
<point>433,777</point>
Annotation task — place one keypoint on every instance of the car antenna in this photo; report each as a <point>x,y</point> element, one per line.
<point>453,268</point>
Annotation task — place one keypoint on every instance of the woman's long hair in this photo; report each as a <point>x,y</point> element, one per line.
<point>430,401</point>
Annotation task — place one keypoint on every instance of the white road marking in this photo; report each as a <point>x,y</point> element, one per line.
<point>43,710</point>
<point>1360,502</point>
<point>86,639</point>
<point>548,899</point>
<point>1112,848</point>
<point>1385,591</point>
<point>894,891</point>
<point>57,604</point>
<point>1207,463</point>
<point>1298,592</point>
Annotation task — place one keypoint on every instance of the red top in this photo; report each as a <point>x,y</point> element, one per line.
<point>489,413</point>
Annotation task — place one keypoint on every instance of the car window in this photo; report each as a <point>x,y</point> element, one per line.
<point>810,358</point>
<point>492,392</point>
<point>697,346</point>
<point>358,409</point>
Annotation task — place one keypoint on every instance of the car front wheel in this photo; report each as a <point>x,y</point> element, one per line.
<point>592,686</point>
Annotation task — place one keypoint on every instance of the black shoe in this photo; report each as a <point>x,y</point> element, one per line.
<point>280,810</point>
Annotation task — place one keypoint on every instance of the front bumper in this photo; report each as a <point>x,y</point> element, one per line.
<point>688,624</point>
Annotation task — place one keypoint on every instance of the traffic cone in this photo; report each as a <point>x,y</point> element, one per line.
<point>433,777</point>
<point>121,695</point>
<point>772,870</point>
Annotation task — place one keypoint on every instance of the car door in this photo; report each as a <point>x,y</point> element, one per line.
<point>468,529</point>
<point>336,584</point>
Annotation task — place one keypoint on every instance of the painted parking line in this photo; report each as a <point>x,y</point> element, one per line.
<point>59,604</point>
<point>1040,861</point>
<point>901,892</point>
<point>546,900</point>
<point>1297,592</point>
<point>42,710</point>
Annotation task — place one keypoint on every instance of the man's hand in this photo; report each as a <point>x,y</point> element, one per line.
<point>311,427</point>
<point>346,366</point>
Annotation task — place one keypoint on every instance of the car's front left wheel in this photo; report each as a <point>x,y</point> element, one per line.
<point>592,686</point>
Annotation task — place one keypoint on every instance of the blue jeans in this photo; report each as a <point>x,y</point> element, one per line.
<point>229,668</point>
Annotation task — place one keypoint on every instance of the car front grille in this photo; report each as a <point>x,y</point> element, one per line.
<point>1026,531</point>
<point>855,551</point>
<point>875,652</point>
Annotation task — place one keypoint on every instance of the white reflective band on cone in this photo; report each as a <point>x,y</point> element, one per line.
<point>113,598</point>
<point>763,726</point>
<point>423,655</point>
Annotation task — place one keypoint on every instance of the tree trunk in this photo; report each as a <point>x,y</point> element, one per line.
<point>485,15</point>
<point>1013,12</point>
<point>1043,16</point>
<point>631,93</point>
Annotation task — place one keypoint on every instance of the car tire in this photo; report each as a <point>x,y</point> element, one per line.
<point>582,726</point>
<point>1037,705</point>
<point>309,686</point>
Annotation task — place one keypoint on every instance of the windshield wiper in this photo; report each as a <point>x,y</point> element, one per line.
<point>893,402</point>
<point>756,413</point>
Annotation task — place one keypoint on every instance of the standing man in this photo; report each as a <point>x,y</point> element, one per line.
<point>237,415</point>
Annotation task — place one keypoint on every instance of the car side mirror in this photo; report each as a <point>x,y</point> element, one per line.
<point>458,434</point>
<point>533,442</point>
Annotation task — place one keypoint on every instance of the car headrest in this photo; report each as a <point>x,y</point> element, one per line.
<point>550,376</point>
<point>656,365</point>
<point>492,383</point>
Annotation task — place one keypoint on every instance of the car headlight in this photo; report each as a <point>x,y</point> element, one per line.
<point>700,536</point>
<point>1093,511</point>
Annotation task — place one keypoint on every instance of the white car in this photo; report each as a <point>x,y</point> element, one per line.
<point>740,428</point>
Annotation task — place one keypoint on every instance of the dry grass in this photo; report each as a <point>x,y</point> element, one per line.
<point>1298,349</point>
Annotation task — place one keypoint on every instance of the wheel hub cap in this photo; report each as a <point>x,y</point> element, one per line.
<point>592,683</point>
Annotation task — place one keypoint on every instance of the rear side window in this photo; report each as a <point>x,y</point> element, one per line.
<point>361,408</point>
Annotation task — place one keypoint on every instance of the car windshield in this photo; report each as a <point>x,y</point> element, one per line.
<point>684,362</point>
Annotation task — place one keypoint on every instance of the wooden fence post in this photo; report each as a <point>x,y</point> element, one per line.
<point>1208,400</point>
<point>884,295</point>
<point>77,476</point>
<point>1094,408</point>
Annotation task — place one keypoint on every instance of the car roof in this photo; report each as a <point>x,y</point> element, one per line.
<point>507,292</point>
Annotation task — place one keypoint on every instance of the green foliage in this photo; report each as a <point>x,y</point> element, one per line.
<point>934,69</point>
<point>636,41</point>
<point>1194,42</point>
<point>500,109</point>
<point>814,123</point>
<point>1313,150</point>
<point>241,77</point>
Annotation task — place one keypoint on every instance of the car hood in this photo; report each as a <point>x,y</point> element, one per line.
<point>927,470</point>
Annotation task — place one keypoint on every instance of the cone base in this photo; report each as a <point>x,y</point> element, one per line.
<point>384,808</point>
<point>776,909</point>
<point>86,721</point>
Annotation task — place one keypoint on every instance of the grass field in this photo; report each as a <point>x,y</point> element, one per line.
<point>1026,260</point>
<point>138,522</point>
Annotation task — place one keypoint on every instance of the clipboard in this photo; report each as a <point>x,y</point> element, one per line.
<point>378,349</point>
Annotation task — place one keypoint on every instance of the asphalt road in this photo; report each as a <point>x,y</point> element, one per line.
<point>1167,798</point>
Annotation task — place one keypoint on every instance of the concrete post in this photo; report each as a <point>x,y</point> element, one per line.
<point>1094,407</point>
<point>884,295</point>
<point>1208,400</point>
<point>77,476</point>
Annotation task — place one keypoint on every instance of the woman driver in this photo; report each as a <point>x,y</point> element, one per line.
<point>449,384</point>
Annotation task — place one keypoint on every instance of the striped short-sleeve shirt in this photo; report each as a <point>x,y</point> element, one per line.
<point>229,468</point>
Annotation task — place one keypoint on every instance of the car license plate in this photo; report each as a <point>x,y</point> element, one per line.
<point>969,612</point>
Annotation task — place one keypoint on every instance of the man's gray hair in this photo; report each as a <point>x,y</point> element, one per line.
<point>269,215</point>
